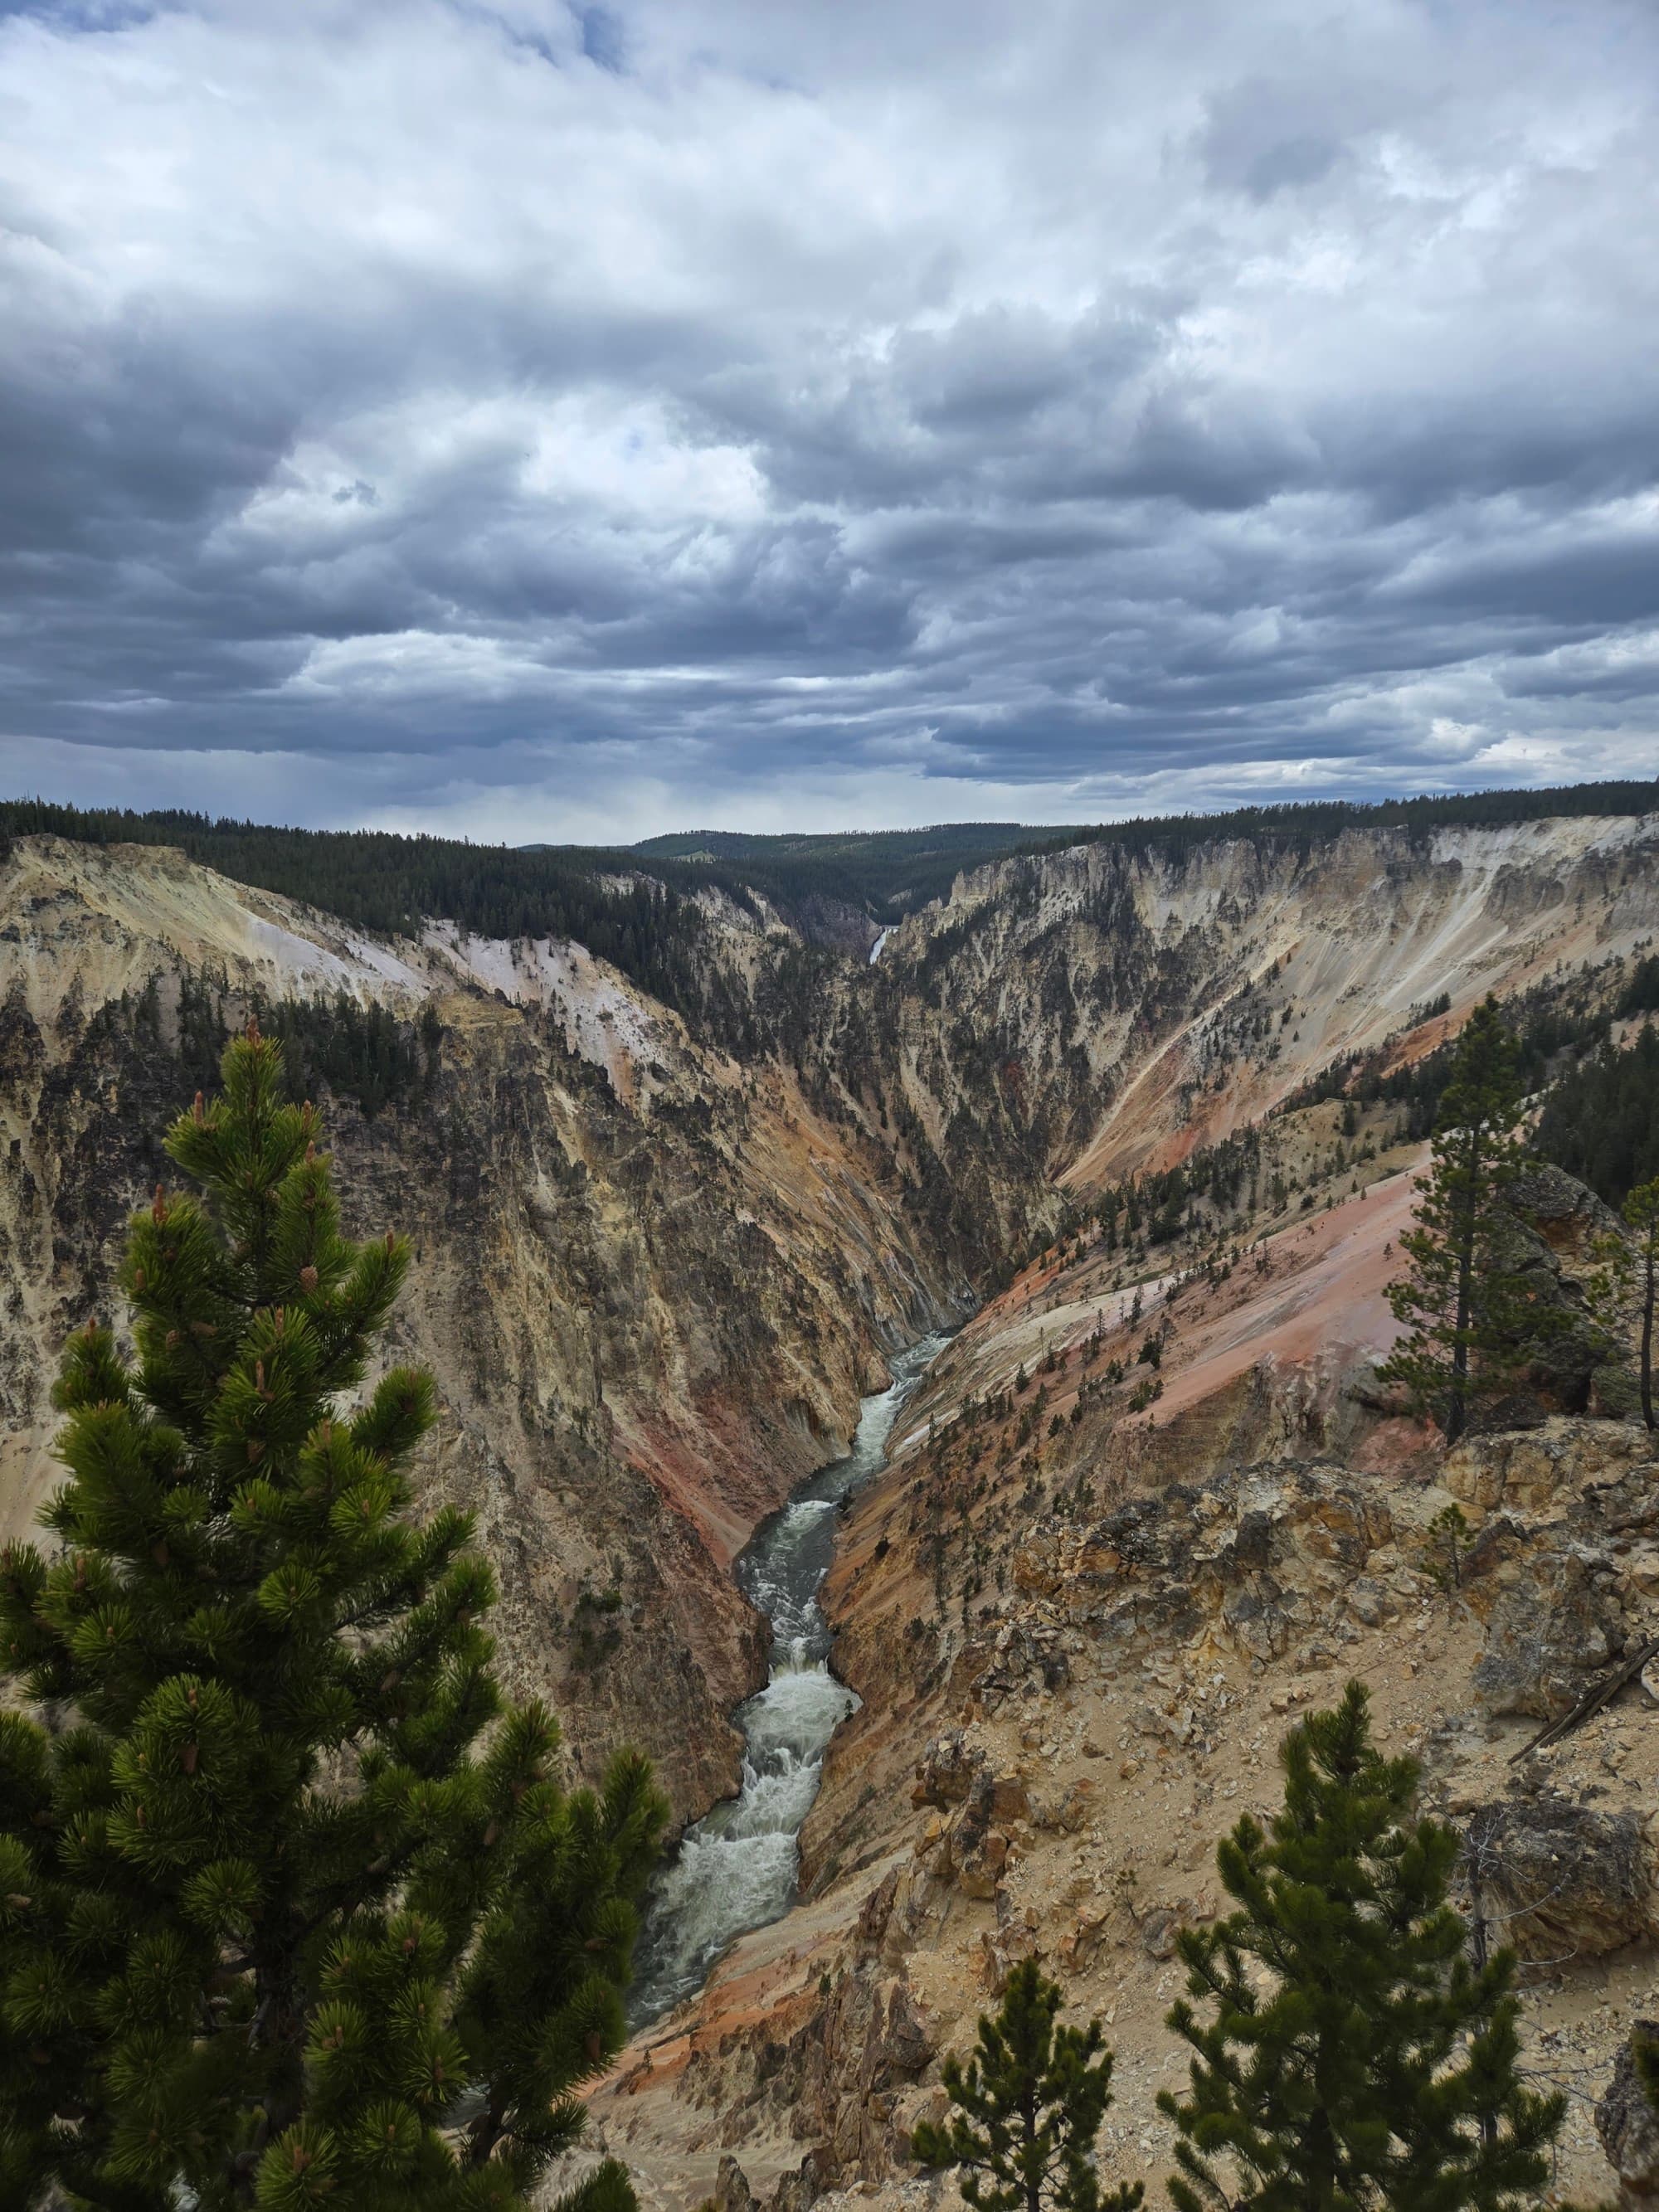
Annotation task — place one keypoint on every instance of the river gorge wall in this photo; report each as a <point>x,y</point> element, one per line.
<point>653,1289</point>
<point>656,1271</point>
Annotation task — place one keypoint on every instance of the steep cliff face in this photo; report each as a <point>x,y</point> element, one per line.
<point>651,1287</point>
<point>1094,1587</point>
<point>1073,1679</point>
<point>1116,1009</point>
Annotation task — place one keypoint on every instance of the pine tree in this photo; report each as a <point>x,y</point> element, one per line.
<point>1626,1288</point>
<point>1465,1310</point>
<point>1354,2058</point>
<point>295,1913</point>
<point>1028,2105</point>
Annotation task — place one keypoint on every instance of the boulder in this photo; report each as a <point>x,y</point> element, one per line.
<point>980,1866</point>
<point>732,2190</point>
<point>1552,1628</point>
<point>1085,1937</point>
<point>977,1851</point>
<point>1554,1223</point>
<point>946,1771</point>
<point>1629,2127</point>
<point>1000,1953</point>
<point>1067,1809</point>
<point>1010,1800</point>
<point>1158,1931</point>
<point>1565,1214</point>
<point>911,2108</point>
<point>1562,1881</point>
<point>1370,1602</point>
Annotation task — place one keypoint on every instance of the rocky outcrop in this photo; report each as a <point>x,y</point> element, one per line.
<point>1548,1246</point>
<point>1254,1558</point>
<point>1556,1623</point>
<point>836,2081</point>
<point>1628,2125</point>
<point>969,1845</point>
<point>1563,1570</point>
<point>1562,1881</point>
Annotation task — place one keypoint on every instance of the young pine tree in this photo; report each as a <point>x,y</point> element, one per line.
<point>1624,1291</point>
<point>1463,1309</point>
<point>1028,2108</point>
<point>294,1912</point>
<point>1353,2057</point>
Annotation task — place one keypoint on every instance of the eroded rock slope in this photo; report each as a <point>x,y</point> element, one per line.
<point>652,1285</point>
<point>656,1270</point>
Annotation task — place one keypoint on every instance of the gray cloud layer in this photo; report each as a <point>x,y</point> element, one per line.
<point>548,420</point>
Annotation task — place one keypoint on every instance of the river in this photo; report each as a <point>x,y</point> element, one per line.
<point>735,1869</point>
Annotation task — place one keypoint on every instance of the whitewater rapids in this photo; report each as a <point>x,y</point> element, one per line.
<point>735,1869</point>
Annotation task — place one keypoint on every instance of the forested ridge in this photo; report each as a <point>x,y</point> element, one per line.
<point>393,884</point>
<point>635,905</point>
<point>1305,822</point>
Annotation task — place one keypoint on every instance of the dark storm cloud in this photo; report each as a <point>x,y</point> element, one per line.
<point>563,420</point>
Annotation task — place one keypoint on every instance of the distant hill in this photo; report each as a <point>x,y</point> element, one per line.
<point>880,874</point>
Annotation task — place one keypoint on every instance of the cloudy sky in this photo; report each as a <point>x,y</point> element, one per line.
<point>544,420</point>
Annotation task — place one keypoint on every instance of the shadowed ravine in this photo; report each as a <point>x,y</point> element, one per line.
<point>735,1869</point>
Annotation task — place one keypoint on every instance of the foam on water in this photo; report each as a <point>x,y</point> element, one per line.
<point>736,1869</point>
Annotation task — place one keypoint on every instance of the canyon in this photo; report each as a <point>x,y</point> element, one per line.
<point>661,1259</point>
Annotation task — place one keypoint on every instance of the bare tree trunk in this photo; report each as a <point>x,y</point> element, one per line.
<point>1457,1412</point>
<point>1478,1949</point>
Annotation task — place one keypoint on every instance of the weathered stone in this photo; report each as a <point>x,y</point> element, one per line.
<point>1564,1881</point>
<point>1158,1930</point>
<point>974,1850</point>
<point>1474,1475</point>
<point>1010,1800</point>
<point>795,2191</point>
<point>909,2039</point>
<point>979,1869</point>
<point>1067,1810</point>
<point>1615,1394</point>
<point>946,1770</point>
<point>911,2108</point>
<point>877,1912</point>
<point>1370,1603</point>
<point>1001,1953</point>
<point>1550,1631</point>
<point>1085,1937</point>
<point>732,2190</point>
<point>1629,2127</point>
<point>1547,1244</point>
